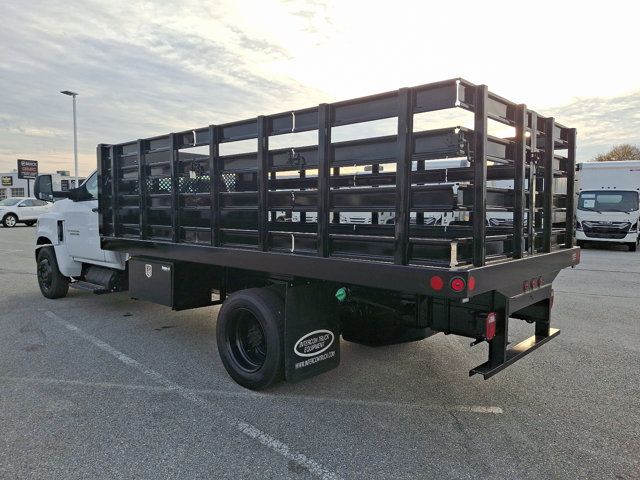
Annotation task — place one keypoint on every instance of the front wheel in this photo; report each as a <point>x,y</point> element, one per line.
<point>633,246</point>
<point>10,220</point>
<point>250,337</point>
<point>51,282</point>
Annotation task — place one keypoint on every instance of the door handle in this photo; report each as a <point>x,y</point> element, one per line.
<point>95,209</point>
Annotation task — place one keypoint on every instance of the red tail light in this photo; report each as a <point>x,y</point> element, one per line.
<point>436,283</point>
<point>472,283</point>
<point>457,284</point>
<point>490,326</point>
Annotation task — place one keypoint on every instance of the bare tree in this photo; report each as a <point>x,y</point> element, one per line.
<point>626,151</point>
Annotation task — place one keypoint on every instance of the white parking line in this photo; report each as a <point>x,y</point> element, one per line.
<point>264,396</point>
<point>247,429</point>
<point>4,250</point>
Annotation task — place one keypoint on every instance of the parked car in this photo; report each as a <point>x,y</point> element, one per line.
<point>15,210</point>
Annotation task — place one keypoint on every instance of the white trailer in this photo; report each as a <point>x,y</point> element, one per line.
<point>608,203</point>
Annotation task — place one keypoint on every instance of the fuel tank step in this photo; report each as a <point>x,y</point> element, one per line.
<point>89,287</point>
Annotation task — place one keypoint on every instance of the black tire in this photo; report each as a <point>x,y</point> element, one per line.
<point>9,220</point>
<point>633,246</point>
<point>51,282</point>
<point>580,243</point>
<point>30,223</point>
<point>250,337</point>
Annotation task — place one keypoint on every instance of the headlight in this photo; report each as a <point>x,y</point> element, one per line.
<point>578,225</point>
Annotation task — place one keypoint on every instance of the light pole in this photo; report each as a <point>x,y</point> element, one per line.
<point>75,132</point>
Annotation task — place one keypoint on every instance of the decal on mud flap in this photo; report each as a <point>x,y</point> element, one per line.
<point>311,331</point>
<point>313,346</point>
<point>314,343</point>
<point>148,270</point>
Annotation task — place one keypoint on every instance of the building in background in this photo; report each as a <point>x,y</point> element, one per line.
<point>12,186</point>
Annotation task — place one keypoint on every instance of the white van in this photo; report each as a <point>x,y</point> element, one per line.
<point>608,206</point>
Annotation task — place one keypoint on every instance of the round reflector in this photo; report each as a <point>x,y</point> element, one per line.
<point>436,283</point>
<point>457,284</point>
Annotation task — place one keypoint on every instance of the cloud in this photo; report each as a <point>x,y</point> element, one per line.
<point>138,74</point>
<point>602,122</point>
<point>148,68</point>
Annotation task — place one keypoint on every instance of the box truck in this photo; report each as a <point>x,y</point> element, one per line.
<point>607,204</point>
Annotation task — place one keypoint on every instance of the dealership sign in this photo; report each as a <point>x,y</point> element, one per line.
<point>27,169</point>
<point>7,181</point>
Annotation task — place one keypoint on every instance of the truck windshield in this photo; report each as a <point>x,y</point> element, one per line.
<point>607,201</point>
<point>9,202</point>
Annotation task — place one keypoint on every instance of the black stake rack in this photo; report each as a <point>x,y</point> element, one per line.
<point>280,210</point>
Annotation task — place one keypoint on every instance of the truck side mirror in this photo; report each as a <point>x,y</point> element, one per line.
<point>43,189</point>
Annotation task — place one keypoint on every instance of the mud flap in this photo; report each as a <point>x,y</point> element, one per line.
<point>311,330</point>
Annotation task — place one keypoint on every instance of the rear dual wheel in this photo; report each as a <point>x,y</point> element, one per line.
<point>250,337</point>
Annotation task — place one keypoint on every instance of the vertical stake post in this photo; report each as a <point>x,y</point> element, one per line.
<point>324,190</point>
<point>480,174</point>
<point>263,182</point>
<point>549,145</point>
<point>403,175</point>
<point>518,184</point>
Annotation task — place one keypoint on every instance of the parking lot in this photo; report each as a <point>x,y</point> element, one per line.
<point>100,386</point>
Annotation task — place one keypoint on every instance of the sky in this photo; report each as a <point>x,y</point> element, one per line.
<point>148,68</point>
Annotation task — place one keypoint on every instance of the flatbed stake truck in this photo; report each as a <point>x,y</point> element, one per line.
<point>180,223</point>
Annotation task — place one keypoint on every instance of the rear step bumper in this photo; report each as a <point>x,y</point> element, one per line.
<point>512,355</point>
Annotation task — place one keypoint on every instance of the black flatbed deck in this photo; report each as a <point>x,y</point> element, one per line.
<point>411,279</point>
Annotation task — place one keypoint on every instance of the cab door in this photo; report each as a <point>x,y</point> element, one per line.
<point>81,225</point>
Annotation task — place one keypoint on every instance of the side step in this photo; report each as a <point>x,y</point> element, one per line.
<point>89,287</point>
<point>514,354</point>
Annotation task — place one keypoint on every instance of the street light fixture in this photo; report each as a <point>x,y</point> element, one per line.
<point>75,133</point>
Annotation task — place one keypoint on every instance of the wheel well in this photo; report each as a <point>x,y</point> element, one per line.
<point>9,213</point>
<point>42,241</point>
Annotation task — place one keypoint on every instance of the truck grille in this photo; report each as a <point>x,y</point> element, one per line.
<point>612,230</point>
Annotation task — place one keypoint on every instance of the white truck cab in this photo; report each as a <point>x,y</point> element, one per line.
<point>68,249</point>
<point>608,203</point>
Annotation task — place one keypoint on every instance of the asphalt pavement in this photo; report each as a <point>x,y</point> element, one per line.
<point>101,386</point>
